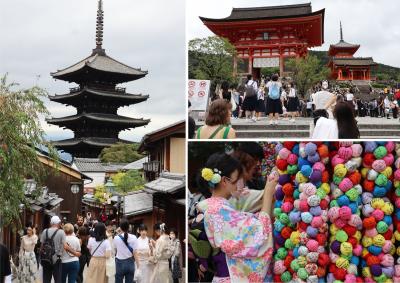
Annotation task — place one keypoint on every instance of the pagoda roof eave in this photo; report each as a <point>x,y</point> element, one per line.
<point>354,61</point>
<point>99,142</point>
<point>101,117</point>
<point>132,98</point>
<point>101,63</point>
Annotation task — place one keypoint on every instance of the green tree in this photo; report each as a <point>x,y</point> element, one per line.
<point>20,136</point>
<point>129,181</point>
<point>211,58</point>
<point>100,193</point>
<point>121,153</point>
<point>306,72</point>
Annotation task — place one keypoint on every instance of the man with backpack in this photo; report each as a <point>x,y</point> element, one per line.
<point>274,104</point>
<point>52,240</point>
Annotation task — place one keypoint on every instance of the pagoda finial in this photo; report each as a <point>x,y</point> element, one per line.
<point>99,29</point>
<point>341,31</point>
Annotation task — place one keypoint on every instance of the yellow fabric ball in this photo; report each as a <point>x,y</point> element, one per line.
<point>397,235</point>
<point>358,235</point>
<point>342,263</point>
<point>346,248</point>
<point>333,229</point>
<point>300,178</point>
<point>366,272</point>
<point>364,172</point>
<point>340,170</point>
<point>295,237</point>
<point>364,252</point>
<point>302,261</point>
<point>377,203</point>
<point>282,172</point>
<point>367,241</point>
<point>379,240</point>
<point>388,208</point>
<point>387,172</point>
<point>326,188</point>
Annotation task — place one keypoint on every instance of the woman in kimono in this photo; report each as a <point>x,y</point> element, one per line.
<point>144,252</point>
<point>163,250</point>
<point>245,238</point>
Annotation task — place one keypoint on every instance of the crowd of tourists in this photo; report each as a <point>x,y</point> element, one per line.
<point>92,252</point>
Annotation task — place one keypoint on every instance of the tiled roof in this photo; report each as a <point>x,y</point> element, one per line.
<point>353,61</point>
<point>138,203</point>
<point>166,183</point>
<point>89,164</point>
<point>137,165</point>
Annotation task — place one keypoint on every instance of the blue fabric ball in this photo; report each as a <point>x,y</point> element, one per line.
<point>379,191</point>
<point>306,170</point>
<point>278,203</point>
<point>312,232</point>
<point>306,217</point>
<point>314,158</point>
<point>388,219</point>
<point>316,210</point>
<point>278,226</point>
<point>311,148</point>
<point>294,216</point>
<point>343,200</point>
<point>355,260</point>
<point>370,146</point>
<point>354,207</point>
<point>389,185</point>
<point>295,149</point>
<point>301,162</point>
<point>375,250</point>
<point>296,252</point>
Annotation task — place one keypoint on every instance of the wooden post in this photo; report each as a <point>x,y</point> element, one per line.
<point>281,65</point>
<point>250,70</point>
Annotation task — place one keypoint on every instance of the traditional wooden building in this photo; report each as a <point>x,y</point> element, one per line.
<point>96,99</point>
<point>265,36</point>
<point>344,66</point>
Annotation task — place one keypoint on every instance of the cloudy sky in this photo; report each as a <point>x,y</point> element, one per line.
<point>373,24</point>
<point>42,36</point>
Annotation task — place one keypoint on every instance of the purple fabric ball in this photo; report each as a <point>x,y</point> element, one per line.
<point>316,210</point>
<point>294,216</point>
<point>316,176</point>
<point>278,147</point>
<point>312,232</point>
<point>370,146</point>
<point>314,158</point>
<point>280,240</point>
<point>335,247</point>
<point>283,179</point>
<point>388,271</point>
<point>311,148</point>
<point>376,270</point>
<point>279,194</point>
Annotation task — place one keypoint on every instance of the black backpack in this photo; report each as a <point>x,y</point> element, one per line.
<point>48,249</point>
<point>250,91</point>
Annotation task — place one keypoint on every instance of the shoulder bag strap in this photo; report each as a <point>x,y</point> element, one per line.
<point>97,247</point>
<point>216,131</point>
<point>226,132</point>
<point>198,133</point>
<point>126,244</point>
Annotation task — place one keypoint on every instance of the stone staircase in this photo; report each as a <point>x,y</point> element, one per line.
<point>370,128</point>
<point>365,90</point>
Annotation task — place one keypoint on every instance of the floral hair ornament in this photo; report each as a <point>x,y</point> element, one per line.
<point>162,227</point>
<point>213,177</point>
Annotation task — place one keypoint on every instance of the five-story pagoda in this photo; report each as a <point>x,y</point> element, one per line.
<point>97,99</point>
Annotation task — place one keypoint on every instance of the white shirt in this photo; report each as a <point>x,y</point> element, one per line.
<point>325,129</point>
<point>253,84</point>
<point>292,93</point>
<point>143,244</point>
<point>349,96</point>
<point>387,102</point>
<point>101,250</point>
<point>74,243</point>
<point>122,250</point>
<point>270,83</point>
<point>321,98</point>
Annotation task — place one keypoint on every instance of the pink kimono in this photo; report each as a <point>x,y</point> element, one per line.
<point>245,238</point>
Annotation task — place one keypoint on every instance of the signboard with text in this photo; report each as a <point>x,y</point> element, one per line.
<point>198,91</point>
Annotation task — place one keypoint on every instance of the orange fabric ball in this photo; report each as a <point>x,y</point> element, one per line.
<point>368,185</point>
<point>355,177</point>
<point>288,189</point>
<point>323,151</point>
<point>325,177</point>
<point>369,222</point>
<point>286,232</point>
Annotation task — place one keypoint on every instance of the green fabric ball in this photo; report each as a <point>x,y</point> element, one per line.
<point>284,218</point>
<point>380,152</point>
<point>286,276</point>
<point>289,244</point>
<point>337,281</point>
<point>352,194</point>
<point>292,169</point>
<point>333,203</point>
<point>321,193</point>
<point>381,279</point>
<point>294,265</point>
<point>381,180</point>
<point>296,194</point>
<point>337,179</point>
<point>397,192</point>
<point>302,273</point>
<point>281,253</point>
<point>277,211</point>
<point>382,227</point>
<point>341,236</point>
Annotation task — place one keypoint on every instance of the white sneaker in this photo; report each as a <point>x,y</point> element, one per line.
<point>254,119</point>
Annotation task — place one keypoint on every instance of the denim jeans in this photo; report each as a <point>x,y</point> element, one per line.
<point>124,268</point>
<point>71,270</point>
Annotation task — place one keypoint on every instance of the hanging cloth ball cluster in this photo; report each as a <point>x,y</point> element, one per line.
<point>378,249</point>
<point>344,214</point>
<point>396,216</point>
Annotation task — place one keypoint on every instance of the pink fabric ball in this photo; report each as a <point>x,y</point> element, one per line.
<point>390,146</point>
<point>317,222</point>
<point>312,245</point>
<point>345,153</point>
<point>397,203</point>
<point>397,272</point>
<point>379,165</point>
<point>309,189</point>
<point>387,246</point>
<point>337,160</point>
<point>287,207</point>
<point>279,267</point>
<point>397,163</point>
<point>333,257</point>
<point>303,196</point>
<point>357,150</point>
<point>284,153</point>
<point>387,260</point>
<point>397,174</point>
<point>333,213</point>
<point>319,166</point>
<point>292,159</point>
<point>355,221</point>
<point>340,223</point>
<point>345,213</point>
<point>345,184</point>
<point>389,159</point>
<point>371,232</point>
<point>369,280</point>
<point>350,278</point>
<point>303,205</point>
<point>357,251</point>
<point>345,143</point>
<point>378,214</point>
<point>296,204</point>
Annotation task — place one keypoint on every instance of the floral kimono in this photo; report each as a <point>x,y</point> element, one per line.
<point>245,238</point>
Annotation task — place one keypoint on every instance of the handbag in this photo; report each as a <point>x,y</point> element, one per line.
<point>233,102</point>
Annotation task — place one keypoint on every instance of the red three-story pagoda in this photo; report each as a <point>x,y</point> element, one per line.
<point>265,36</point>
